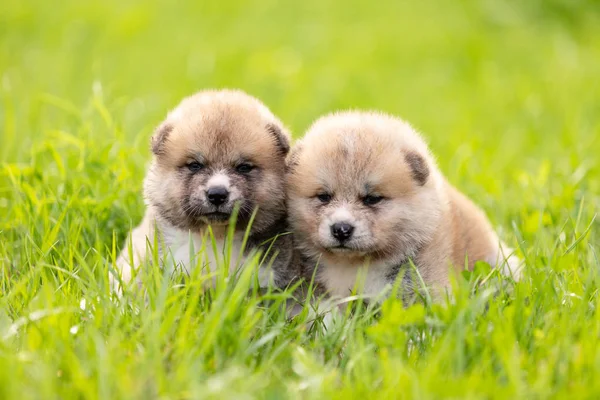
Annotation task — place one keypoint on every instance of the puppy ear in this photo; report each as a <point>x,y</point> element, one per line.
<point>281,139</point>
<point>160,137</point>
<point>418,167</point>
<point>292,159</point>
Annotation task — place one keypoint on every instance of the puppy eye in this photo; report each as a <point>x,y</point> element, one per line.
<point>244,168</point>
<point>324,197</point>
<point>194,166</point>
<point>371,200</point>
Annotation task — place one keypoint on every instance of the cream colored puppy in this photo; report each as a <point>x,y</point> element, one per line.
<point>365,198</point>
<point>217,150</point>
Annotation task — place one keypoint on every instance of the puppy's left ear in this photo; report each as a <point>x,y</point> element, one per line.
<point>281,138</point>
<point>157,143</point>
<point>292,159</point>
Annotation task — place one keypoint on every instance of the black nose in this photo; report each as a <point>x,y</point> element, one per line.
<point>342,231</point>
<point>217,195</point>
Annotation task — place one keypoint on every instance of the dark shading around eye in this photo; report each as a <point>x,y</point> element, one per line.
<point>244,168</point>
<point>194,166</point>
<point>371,200</point>
<point>324,197</point>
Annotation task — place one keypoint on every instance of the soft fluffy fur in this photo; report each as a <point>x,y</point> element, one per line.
<point>349,159</point>
<point>215,139</point>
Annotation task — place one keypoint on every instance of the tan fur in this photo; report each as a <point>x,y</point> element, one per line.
<point>421,218</point>
<point>219,130</point>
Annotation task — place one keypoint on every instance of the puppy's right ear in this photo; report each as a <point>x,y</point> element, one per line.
<point>160,137</point>
<point>281,138</point>
<point>418,167</point>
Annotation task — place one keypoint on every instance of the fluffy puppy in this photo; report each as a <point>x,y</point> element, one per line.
<point>365,198</point>
<point>216,152</point>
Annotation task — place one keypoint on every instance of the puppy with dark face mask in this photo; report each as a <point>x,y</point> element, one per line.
<point>216,154</point>
<point>365,199</point>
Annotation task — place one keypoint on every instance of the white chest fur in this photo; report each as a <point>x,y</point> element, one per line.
<point>343,279</point>
<point>188,250</point>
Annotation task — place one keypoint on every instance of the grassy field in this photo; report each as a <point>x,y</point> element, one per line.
<point>506,92</point>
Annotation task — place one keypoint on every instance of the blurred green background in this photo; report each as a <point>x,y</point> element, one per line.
<point>490,72</point>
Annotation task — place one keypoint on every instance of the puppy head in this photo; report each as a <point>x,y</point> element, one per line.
<point>362,186</point>
<point>215,151</point>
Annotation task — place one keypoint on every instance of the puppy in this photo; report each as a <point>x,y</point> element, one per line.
<point>365,199</point>
<point>216,153</point>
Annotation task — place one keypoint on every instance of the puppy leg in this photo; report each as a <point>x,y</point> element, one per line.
<point>510,265</point>
<point>136,246</point>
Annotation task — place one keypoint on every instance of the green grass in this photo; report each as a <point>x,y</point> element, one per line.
<point>507,93</point>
